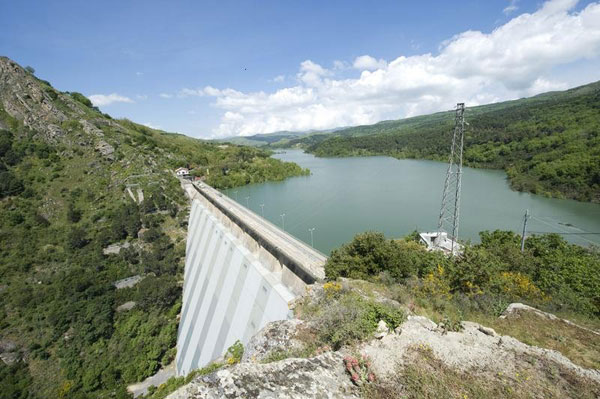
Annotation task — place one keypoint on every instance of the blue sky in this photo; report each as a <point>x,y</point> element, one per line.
<point>223,68</point>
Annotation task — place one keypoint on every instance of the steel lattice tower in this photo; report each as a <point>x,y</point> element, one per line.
<point>450,209</point>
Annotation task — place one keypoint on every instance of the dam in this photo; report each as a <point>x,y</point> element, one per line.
<point>241,272</point>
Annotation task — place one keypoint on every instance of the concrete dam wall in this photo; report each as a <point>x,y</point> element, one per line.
<point>241,272</point>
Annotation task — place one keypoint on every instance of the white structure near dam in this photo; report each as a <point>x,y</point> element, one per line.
<point>241,272</point>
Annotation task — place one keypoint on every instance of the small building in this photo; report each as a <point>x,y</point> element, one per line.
<point>182,172</point>
<point>439,241</point>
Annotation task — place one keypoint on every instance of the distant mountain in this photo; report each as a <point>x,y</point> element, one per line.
<point>548,144</point>
<point>276,139</point>
<point>87,200</point>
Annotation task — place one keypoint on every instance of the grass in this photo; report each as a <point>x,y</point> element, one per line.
<point>425,376</point>
<point>579,345</point>
<point>174,383</point>
<point>582,347</point>
<point>343,317</point>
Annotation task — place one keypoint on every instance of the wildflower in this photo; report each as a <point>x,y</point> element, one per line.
<point>371,377</point>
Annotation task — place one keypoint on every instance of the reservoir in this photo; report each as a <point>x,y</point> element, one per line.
<point>346,196</point>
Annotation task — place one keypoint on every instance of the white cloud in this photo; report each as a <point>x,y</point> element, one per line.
<point>165,95</point>
<point>340,65</point>
<point>141,96</point>
<point>139,73</point>
<point>368,63</point>
<point>279,78</point>
<point>311,74</point>
<point>512,7</point>
<point>101,100</point>
<point>512,61</point>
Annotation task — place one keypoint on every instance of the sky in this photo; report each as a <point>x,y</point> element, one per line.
<point>213,69</point>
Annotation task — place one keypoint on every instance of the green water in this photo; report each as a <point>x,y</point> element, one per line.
<point>346,196</point>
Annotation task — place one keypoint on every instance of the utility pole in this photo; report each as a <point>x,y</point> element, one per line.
<point>312,242</point>
<point>283,220</point>
<point>450,209</point>
<point>262,210</point>
<point>524,230</point>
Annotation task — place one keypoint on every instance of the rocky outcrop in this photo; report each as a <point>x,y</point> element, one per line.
<point>90,128</point>
<point>278,336</point>
<point>475,350</point>
<point>106,150</point>
<point>515,308</point>
<point>322,376</point>
<point>24,98</point>
<point>9,352</point>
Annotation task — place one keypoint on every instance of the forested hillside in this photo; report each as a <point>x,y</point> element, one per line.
<point>86,201</point>
<point>548,144</point>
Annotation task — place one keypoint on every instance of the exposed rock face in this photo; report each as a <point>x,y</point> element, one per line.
<point>89,128</point>
<point>474,348</point>
<point>106,149</point>
<point>24,98</point>
<point>9,352</point>
<point>126,306</point>
<point>515,308</point>
<point>275,336</point>
<point>319,377</point>
<point>115,249</point>
<point>128,282</point>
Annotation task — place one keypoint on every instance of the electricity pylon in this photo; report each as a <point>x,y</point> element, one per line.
<point>450,209</point>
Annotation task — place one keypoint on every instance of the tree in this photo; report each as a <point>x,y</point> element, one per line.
<point>30,69</point>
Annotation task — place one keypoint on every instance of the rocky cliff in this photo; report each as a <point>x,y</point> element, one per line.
<point>418,358</point>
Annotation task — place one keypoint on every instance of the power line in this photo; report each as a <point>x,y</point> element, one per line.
<point>561,231</point>
<point>552,232</point>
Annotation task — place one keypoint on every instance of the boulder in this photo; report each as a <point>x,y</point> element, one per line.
<point>275,336</point>
<point>322,376</point>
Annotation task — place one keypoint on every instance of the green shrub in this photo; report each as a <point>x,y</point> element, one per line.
<point>82,99</point>
<point>549,273</point>
<point>348,318</point>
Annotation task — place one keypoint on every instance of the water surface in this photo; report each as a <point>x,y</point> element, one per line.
<point>346,196</point>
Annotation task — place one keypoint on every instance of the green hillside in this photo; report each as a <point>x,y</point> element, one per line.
<point>66,171</point>
<point>548,144</point>
<point>259,140</point>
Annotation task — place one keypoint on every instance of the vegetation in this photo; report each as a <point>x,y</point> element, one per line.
<point>61,204</point>
<point>426,376</point>
<point>548,144</point>
<point>478,285</point>
<point>343,317</point>
<point>174,383</point>
<point>581,346</point>
<point>550,273</point>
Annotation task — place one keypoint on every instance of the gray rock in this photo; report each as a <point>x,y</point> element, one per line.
<point>9,352</point>
<point>275,336</point>
<point>114,249</point>
<point>24,98</point>
<point>382,329</point>
<point>10,357</point>
<point>126,306</point>
<point>106,149</point>
<point>128,282</point>
<point>89,128</point>
<point>323,376</point>
<point>469,349</point>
